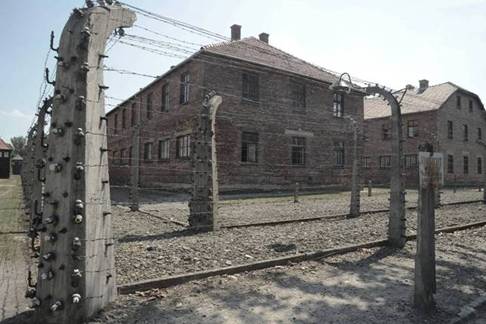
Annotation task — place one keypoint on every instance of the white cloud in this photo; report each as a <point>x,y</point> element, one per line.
<point>15,113</point>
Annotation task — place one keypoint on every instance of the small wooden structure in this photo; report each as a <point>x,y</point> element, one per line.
<point>5,155</point>
<point>17,161</point>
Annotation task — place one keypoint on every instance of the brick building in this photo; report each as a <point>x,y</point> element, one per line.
<point>5,155</point>
<point>445,115</point>
<point>278,124</point>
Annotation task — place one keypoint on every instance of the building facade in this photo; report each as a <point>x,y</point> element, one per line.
<point>447,116</point>
<point>278,124</point>
<point>5,156</point>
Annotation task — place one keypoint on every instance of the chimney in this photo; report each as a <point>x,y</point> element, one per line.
<point>235,33</point>
<point>423,85</point>
<point>264,37</point>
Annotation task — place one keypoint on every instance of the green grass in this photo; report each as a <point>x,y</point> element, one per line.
<point>11,205</point>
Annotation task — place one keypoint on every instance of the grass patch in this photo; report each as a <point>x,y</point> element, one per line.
<point>11,205</point>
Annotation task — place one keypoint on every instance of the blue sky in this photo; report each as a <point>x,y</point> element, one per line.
<point>390,42</point>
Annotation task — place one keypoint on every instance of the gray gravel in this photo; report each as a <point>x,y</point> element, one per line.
<point>234,211</point>
<point>367,286</point>
<point>156,248</point>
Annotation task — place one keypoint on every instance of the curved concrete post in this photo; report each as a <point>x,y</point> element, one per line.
<point>77,271</point>
<point>396,224</point>
<point>204,202</point>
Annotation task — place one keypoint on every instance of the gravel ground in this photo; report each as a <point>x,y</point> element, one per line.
<point>368,286</point>
<point>234,211</point>
<point>154,248</point>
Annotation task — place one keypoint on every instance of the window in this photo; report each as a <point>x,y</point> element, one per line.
<point>249,147</point>
<point>149,106</point>
<point>339,151</point>
<point>184,147</point>
<point>450,129</point>
<point>366,163</point>
<point>338,105</point>
<point>385,162</point>
<point>250,88</point>
<point>480,134</point>
<point>147,151</point>
<point>410,161</point>
<point>185,84</point>
<point>298,151</point>
<point>471,106</point>
<point>386,132</point>
<point>466,165</point>
<point>124,118</point>
<point>123,156</point>
<point>130,155</point>
<point>412,128</point>
<point>458,102</point>
<point>115,158</point>
<point>165,98</point>
<point>164,146</point>
<point>466,133</point>
<point>298,95</point>
<point>450,163</point>
<point>480,165</point>
<point>133,116</point>
<point>115,126</point>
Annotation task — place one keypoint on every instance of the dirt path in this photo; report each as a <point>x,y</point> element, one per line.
<point>13,252</point>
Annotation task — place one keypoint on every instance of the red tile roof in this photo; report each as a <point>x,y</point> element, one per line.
<point>253,50</point>
<point>431,99</point>
<point>4,146</point>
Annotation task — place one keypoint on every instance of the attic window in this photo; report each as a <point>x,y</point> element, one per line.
<point>458,102</point>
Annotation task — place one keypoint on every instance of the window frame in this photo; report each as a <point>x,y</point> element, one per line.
<point>148,151</point>
<point>386,132</point>
<point>465,130</point>
<point>298,146</point>
<point>185,88</point>
<point>339,154</point>
<point>450,129</point>
<point>250,86</point>
<point>466,164</point>
<point>411,161</point>
<point>246,142</point>
<point>298,95</point>
<point>338,105</point>
<point>183,147</point>
<point>149,106</point>
<point>384,158</point>
<point>450,163</point>
<point>165,150</point>
<point>165,98</point>
<point>479,165</point>
<point>412,128</point>
<point>458,102</point>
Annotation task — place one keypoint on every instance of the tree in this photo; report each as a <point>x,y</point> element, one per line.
<point>18,144</point>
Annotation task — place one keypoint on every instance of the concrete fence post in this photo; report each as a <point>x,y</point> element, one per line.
<point>76,270</point>
<point>425,267</point>
<point>296,192</point>
<point>135,162</point>
<point>354,209</point>
<point>370,188</point>
<point>205,192</point>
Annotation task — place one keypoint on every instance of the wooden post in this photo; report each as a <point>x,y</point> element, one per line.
<point>203,205</point>
<point>425,281</point>
<point>370,188</point>
<point>76,272</point>
<point>135,170</point>
<point>354,209</point>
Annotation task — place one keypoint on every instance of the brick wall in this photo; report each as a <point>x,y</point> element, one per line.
<point>274,117</point>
